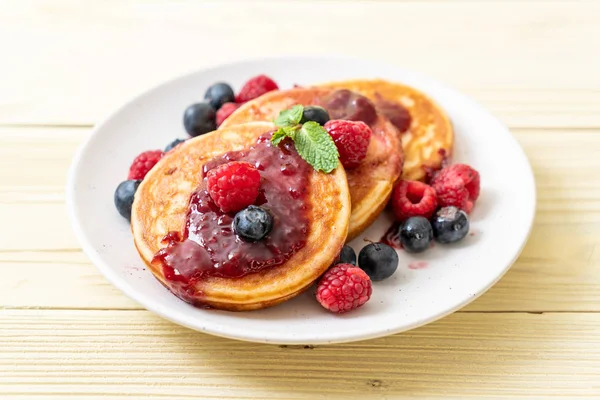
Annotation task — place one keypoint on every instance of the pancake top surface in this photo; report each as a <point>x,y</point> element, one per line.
<point>283,192</point>
<point>162,202</point>
<point>426,132</point>
<point>372,181</point>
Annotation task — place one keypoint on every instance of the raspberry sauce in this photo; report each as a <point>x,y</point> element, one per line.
<point>395,112</point>
<point>391,237</point>
<point>209,246</point>
<point>430,172</point>
<point>351,106</point>
<point>345,104</point>
<point>418,265</point>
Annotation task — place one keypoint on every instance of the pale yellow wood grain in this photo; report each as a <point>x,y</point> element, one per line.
<point>532,63</point>
<point>134,353</point>
<point>65,332</point>
<point>43,267</point>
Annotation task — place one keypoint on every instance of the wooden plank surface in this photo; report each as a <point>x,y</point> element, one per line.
<point>87,354</point>
<point>65,332</point>
<point>531,63</point>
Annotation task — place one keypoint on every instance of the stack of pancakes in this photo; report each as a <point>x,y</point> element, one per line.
<point>344,203</point>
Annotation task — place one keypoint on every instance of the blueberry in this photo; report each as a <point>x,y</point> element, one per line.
<point>315,113</point>
<point>450,225</point>
<point>347,256</point>
<point>416,234</point>
<point>378,260</point>
<point>219,94</point>
<point>199,119</point>
<point>173,144</point>
<point>124,197</point>
<point>252,223</point>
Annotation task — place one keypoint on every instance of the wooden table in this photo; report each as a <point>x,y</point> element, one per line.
<point>65,332</point>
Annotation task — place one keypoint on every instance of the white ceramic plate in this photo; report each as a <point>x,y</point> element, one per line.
<point>425,287</point>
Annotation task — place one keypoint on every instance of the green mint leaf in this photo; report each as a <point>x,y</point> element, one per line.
<point>290,117</point>
<point>316,147</point>
<point>290,131</point>
<point>282,133</point>
<point>278,136</point>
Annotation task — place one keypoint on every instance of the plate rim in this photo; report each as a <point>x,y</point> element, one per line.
<point>155,307</point>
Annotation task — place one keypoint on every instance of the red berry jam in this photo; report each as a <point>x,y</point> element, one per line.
<point>209,246</point>
<point>351,106</point>
<point>430,172</point>
<point>395,112</point>
<point>391,237</point>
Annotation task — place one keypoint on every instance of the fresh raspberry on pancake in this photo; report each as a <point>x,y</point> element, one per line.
<point>344,288</point>
<point>412,199</point>
<point>233,186</point>
<point>144,163</point>
<point>351,139</point>
<point>225,111</point>
<point>255,87</point>
<point>457,185</point>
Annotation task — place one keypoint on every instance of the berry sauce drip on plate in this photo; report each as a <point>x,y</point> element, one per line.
<point>391,237</point>
<point>209,245</point>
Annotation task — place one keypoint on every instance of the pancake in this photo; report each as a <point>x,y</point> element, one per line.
<point>429,140</point>
<point>161,205</point>
<point>372,182</point>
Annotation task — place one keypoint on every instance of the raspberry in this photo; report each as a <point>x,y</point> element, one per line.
<point>352,140</point>
<point>255,87</point>
<point>144,163</point>
<point>457,185</point>
<point>344,288</point>
<point>233,186</point>
<point>452,193</point>
<point>412,199</point>
<point>225,111</point>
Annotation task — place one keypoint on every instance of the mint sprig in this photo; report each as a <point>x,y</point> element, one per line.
<point>316,147</point>
<point>312,141</point>
<point>282,133</point>
<point>290,118</point>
